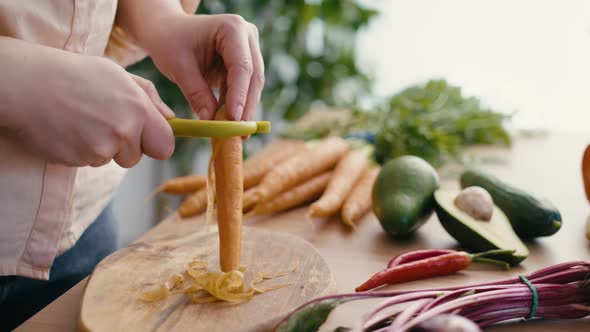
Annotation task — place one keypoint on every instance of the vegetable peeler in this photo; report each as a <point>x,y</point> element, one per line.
<point>212,128</point>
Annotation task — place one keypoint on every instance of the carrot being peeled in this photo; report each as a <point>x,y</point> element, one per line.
<point>229,187</point>
<point>358,203</point>
<point>296,196</point>
<point>303,166</point>
<point>348,170</point>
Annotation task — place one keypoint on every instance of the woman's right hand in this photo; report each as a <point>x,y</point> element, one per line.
<point>80,110</point>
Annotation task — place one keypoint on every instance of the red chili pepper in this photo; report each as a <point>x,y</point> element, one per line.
<point>429,267</point>
<point>417,255</point>
<point>586,171</point>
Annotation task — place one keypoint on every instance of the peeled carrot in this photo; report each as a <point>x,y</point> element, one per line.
<point>194,204</point>
<point>358,203</point>
<point>264,160</point>
<point>303,166</point>
<point>183,185</point>
<point>348,170</point>
<point>229,187</point>
<point>296,196</point>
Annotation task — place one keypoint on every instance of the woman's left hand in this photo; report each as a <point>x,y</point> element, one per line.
<point>202,52</point>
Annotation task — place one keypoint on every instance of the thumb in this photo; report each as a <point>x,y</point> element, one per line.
<point>152,93</point>
<point>197,91</point>
<point>157,139</point>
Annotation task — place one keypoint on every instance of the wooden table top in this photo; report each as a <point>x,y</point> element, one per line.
<point>549,166</point>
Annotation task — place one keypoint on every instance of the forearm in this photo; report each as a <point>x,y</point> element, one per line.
<point>23,66</point>
<point>142,19</point>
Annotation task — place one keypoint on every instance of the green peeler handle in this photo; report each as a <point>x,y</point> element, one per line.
<point>208,128</point>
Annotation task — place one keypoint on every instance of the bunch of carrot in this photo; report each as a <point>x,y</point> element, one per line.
<point>332,174</point>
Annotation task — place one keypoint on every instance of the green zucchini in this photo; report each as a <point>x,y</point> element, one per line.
<point>530,216</point>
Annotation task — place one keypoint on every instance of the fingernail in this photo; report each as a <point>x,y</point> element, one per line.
<point>166,111</point>
<point>239,109</point>
<point>202,113</point>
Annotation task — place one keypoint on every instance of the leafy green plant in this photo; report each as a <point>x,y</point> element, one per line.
<point>433,120</point>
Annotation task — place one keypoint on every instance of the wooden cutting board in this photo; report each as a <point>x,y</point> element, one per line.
<point>111,299</point>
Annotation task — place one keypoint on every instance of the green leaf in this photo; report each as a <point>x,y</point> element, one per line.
<point>434,121</point>
<point>311,317</point>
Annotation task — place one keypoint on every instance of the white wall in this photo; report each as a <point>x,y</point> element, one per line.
<point>530,56</point>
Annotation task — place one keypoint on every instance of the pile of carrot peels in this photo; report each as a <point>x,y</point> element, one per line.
<point>333,174</point>
<point>203,286</point>
<point>561,291</point>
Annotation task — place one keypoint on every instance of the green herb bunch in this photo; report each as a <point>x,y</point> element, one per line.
<point>434,121</point>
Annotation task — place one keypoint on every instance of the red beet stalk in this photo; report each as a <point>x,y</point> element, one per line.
<point>563,293</point>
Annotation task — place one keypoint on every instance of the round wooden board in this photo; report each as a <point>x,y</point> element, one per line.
<point>111,299</point>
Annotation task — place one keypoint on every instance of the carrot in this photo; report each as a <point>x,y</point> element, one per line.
<point>194,204</point>
<point>264,160</point>
<point>183,185</point>
<point>300,194</point>
<point>303,166</point>
<point>249,199</point>
<point>229,187</point>
<point>347,171</point>
<point>358,203</point>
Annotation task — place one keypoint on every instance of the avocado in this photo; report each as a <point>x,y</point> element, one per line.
<point>530,216</point>
<point>478,235</point>
<point>403,194</point>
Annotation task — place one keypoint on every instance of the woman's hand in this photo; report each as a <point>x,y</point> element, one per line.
<point>200,52</point>
<point>79,110</point>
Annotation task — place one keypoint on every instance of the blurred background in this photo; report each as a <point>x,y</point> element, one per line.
<point>435,75</point>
